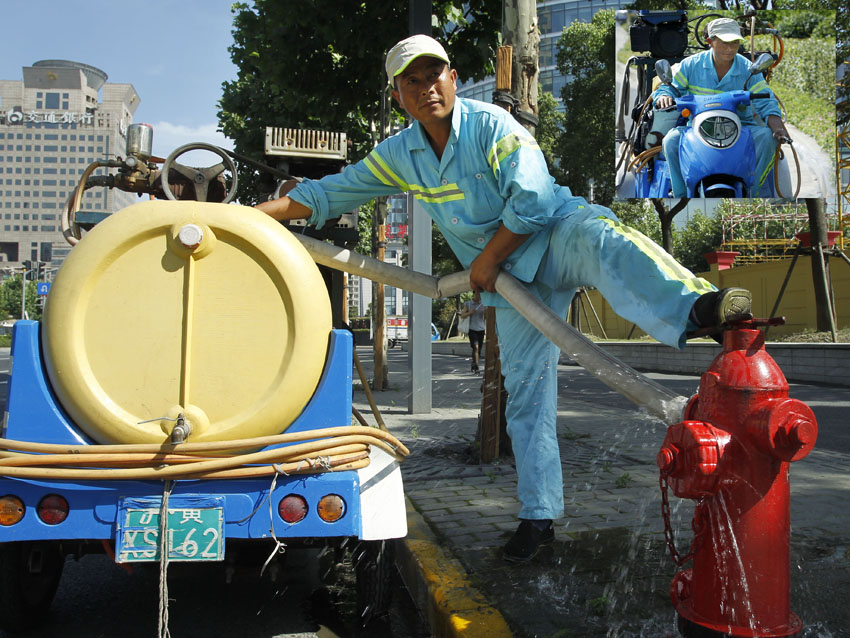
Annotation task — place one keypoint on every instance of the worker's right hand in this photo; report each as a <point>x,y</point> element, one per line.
<point>483,272</point>
<point>664,102</point>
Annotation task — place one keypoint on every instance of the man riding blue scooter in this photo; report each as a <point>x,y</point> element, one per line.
<point>719,70</point>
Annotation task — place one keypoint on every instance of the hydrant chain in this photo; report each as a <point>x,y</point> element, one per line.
<point>668,528</point>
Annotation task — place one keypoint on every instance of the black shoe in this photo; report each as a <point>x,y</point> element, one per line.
<point>527,541</point>
<point>715,310</point>
<point>475,368</point>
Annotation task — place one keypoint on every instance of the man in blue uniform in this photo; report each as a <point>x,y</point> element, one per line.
<point>483,180</point>
<point>721,69</point>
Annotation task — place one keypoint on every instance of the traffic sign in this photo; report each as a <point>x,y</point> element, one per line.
<point>43,287</point>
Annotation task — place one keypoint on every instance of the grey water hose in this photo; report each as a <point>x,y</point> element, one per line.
<point>656,399</point>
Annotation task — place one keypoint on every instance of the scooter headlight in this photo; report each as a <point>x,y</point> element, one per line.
<point>719,131</point>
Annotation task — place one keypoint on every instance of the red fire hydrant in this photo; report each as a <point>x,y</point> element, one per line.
<point>731,455</point>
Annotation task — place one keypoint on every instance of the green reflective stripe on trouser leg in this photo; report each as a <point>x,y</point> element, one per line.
<point>665,262</point>
<point>767,170</point>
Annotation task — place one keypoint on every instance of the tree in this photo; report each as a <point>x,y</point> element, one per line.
<point>585,152</point>
<point>666,215</point>
<point>10,299</point>
<point>319,64</point>
<point>701,235</point>
<point>550,130</point>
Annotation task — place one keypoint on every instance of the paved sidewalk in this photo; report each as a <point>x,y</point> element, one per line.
<point>608,573</point>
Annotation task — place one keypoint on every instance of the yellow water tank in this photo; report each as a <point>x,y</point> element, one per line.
<point>210,311</point>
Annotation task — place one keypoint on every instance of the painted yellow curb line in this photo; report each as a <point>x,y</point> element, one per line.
<point>438,585</point>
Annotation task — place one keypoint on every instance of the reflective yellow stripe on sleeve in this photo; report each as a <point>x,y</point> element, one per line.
<point>758,87</point>
<point>507,145</point>
<point>379,168</point>
<point>665,262</point>
<point>438,195</point>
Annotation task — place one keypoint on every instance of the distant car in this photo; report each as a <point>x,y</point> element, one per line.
<point>397,331</point>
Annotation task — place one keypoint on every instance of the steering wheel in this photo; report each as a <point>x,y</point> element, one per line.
<point>200,177</point>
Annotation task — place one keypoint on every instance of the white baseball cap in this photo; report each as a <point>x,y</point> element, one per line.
<point>411,48</point>
<point>725,29</point>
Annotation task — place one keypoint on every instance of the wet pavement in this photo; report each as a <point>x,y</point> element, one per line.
<point>608,572</point>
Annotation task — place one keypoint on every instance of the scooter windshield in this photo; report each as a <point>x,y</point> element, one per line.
<point>719,131</point>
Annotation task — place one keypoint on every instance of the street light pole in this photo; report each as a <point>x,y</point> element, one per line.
<point>23,293</point>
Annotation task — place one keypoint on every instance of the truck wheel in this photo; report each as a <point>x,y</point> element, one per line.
<point>29,575</point>
<point>391,343</point>
<point>373,567</point>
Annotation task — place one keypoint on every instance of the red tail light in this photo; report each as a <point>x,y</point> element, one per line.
<point>292,508</point>
<point>53,509</point>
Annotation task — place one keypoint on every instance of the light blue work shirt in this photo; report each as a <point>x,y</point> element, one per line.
<point>697,76</point>
<point>492,171</point>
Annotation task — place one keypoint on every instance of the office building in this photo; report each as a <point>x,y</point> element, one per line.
<point>63,116</point>
<point>552,17</point>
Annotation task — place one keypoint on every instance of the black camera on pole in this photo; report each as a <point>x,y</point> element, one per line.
<point>663,33</point>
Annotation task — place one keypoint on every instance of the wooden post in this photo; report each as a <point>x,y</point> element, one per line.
<point>490,423</point>
<point>379,314</point>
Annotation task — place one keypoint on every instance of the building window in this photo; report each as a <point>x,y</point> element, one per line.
<point>51,101</point>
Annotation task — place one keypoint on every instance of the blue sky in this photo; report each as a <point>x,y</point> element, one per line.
<point>173,52</point>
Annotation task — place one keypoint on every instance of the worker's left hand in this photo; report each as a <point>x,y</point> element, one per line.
<point>482,273</point>
<point>781,135</point>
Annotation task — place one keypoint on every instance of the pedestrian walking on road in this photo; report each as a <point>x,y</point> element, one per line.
<point>474,311</point>
<point>483,180</point>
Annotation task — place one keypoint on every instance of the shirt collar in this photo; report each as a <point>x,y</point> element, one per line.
<point>419,140</point>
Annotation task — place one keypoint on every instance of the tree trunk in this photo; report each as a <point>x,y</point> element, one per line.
<point>520,32</point>
<point>666,218</point>
<point>380,378</point>
<point>820,264</point>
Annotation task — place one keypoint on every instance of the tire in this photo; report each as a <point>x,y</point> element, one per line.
<point>391,343</point>
<point>373,568</point>
<point>29,576</point>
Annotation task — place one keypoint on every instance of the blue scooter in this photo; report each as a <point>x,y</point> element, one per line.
<point>716,152</point>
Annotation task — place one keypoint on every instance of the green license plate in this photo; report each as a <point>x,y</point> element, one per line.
<point>194,533</point>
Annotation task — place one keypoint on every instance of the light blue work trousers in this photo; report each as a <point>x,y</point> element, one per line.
<point>642,283</point>
<point>765,151</point>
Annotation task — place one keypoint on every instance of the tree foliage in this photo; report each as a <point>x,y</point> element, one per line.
<point>700,235</point>
<point>550,130</point>
<point>585,151</point>
<point>319,64</point>
<point>10,299</point>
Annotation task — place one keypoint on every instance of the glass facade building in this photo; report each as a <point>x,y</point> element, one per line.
<point>552,17</point>
<point>57,121</point>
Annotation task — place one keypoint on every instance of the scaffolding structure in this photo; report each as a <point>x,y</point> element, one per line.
<point>760,231</point>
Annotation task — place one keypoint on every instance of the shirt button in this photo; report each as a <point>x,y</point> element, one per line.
<point>445,181</point>
<point>513,164</point>
<point>507,266</point>
<point>454,220</point>
<point>481,240</point>
<point>477,175</point>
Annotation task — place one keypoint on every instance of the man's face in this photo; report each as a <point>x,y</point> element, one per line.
<point>426,90</point>
<point>723,51</point>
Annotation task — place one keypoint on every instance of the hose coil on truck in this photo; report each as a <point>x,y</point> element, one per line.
<point>209,311</point>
